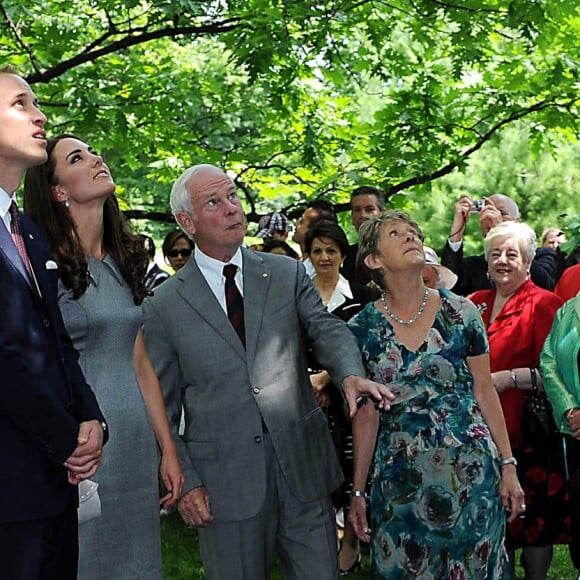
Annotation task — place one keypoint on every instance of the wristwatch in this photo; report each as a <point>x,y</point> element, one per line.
<point>508,461</point>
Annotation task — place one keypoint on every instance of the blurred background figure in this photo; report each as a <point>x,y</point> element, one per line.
<point>569,283</point>
<point>319,209</point>
<point>561,368</point>
<point>518,316</point>
<point>177,248</point>
<point>472,270</point>
<point>273,246</point>
<point>434,274</point>
<point>327,245</point>
<point>365,202</point>
<point>552,238</point>
<point>273,226</point>
<point>155,275</point>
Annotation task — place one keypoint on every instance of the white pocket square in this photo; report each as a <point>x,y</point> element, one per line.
<point>51,265</point>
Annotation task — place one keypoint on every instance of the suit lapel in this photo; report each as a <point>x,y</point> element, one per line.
<point>257,276</point>
<point>195,291</point>
<point>10,251</point>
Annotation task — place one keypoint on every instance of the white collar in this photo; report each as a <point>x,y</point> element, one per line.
<point>216,267</point>
<point>5,201</point>
<point>342,292</point>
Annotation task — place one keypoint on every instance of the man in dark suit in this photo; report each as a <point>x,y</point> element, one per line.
<point>51,427</point>
<point>472,270</point>
<point>256,453</point>
<point>365,202</point>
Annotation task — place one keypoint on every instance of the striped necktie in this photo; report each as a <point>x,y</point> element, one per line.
<point>234,302</point>
<point>16,231</point>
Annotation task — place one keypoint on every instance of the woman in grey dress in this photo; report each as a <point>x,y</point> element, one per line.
<point>102,264</point>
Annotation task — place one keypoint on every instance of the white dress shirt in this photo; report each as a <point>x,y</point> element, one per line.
<point>5,202</point>
<point>213,272</point>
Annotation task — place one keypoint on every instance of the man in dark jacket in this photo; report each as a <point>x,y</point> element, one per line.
<point>51,427</point>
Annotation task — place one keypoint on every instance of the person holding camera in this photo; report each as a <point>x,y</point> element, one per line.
<point>472,270</point>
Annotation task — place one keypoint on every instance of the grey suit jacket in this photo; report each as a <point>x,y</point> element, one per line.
<point>226,391</point>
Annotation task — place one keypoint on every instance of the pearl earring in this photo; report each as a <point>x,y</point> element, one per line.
<point>66,203</point>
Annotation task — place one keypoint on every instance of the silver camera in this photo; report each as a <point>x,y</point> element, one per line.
<point>477,205</point>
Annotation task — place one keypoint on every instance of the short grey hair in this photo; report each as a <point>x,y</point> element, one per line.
<point>369,236</point>
<point>523,234</point>
<point>180,198</point>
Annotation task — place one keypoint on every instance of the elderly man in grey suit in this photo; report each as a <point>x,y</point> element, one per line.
<point>231,352</point>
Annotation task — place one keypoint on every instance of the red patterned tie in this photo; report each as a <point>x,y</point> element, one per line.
<point>234,302</point>
<point>16,231</point>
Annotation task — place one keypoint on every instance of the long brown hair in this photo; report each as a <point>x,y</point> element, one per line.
<point>54,219</point>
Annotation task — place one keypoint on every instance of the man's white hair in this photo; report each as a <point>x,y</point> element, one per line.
<point>180,198</point>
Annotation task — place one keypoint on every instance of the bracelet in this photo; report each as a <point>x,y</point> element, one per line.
<point>358,493</point>
<point>508,461</point>
<point>533,379</point>
<point>514,378</point>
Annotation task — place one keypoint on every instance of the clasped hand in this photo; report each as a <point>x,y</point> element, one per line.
<point>194,507</point>
<point>86,458</point>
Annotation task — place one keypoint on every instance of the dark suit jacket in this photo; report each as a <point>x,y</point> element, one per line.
<point>43,394</point>
<point>472,271</point>
<point>350,270</point>
<point>155,276</point>
<point>361,295</point>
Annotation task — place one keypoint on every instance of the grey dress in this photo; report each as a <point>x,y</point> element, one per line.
<point>124,543</point>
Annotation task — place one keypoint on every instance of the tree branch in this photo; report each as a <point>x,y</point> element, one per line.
<point>129,41</point>
<point>445,170</point>
<point>19,38</point>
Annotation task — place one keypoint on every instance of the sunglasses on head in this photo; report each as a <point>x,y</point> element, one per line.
<point>185,253</point>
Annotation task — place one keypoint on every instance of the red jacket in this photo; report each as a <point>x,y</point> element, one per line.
<point>516,337</point>
<point>569,284</point>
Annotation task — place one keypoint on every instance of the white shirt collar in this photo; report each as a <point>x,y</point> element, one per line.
<point>213,272</point>
<point>5,201</point>
<point>213,266</point>
<point>309,267</point>
<point>342,292</point>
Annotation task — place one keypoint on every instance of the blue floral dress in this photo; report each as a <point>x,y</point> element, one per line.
<point>435,505</point>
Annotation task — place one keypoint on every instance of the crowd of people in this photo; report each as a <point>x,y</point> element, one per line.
<point>299,404</point>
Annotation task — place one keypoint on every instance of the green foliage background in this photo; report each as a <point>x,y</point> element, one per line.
<point>424,98</point>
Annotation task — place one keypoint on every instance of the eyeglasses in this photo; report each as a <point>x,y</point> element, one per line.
<point>185,253</point>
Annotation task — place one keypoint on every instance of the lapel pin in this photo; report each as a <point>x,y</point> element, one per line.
<point>51,265</point>
<point>31,236</point>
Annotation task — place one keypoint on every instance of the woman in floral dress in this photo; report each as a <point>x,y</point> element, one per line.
<point>444,474</point>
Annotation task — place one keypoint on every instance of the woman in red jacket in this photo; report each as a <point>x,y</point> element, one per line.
<point>518,316</point>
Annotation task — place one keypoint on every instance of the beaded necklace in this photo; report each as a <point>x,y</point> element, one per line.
<point>400,320</point>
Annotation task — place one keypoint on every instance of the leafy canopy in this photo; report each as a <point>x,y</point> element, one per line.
<point>297,99</point>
